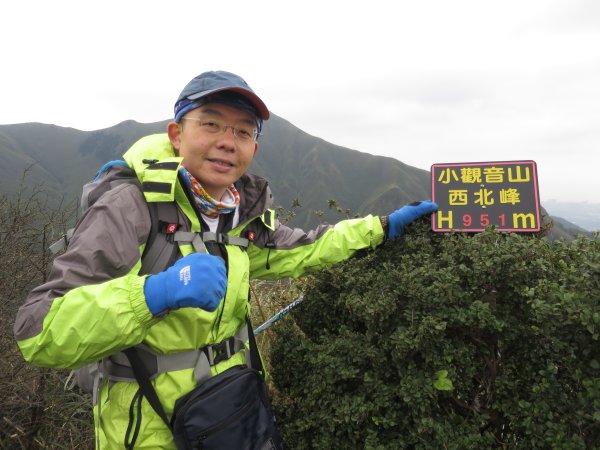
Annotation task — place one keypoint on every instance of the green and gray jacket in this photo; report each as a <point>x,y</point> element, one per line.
<point>93,304</point>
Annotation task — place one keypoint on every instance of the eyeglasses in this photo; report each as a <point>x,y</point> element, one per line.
<point>243,133</point>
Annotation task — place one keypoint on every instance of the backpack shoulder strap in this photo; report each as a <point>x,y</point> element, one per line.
<point>161,251</point>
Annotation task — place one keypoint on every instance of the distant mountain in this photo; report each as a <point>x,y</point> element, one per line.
<point>298,166</point>
<point>62,158</point>
<point>584,215</point>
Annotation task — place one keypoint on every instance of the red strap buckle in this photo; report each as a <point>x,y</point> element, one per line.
<point>171,228</point>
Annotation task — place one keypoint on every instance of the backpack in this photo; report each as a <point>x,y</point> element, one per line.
<point>159,253</point>
<point>193,424</point>
<point>162,245</point>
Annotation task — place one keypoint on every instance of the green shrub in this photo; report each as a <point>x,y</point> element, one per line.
<point>446,341</point>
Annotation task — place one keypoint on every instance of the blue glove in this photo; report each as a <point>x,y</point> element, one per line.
<point>405,215</point>
<point>198,280</point>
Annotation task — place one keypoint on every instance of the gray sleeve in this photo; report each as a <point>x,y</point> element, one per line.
<point>286,238</point>
<point>105,245</point>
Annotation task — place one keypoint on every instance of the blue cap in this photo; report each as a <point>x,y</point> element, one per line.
<point>208,83</point>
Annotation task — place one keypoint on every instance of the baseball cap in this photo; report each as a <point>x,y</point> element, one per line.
<point>209,83</point>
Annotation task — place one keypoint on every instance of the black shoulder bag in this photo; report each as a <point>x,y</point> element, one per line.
<point>230,410</point>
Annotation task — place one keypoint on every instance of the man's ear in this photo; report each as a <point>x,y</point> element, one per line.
<point>255,148</point>
<point>174,132</point>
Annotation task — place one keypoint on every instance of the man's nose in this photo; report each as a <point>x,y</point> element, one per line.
<point>227,138</point>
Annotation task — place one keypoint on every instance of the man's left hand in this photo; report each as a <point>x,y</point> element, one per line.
<point>405,215</point>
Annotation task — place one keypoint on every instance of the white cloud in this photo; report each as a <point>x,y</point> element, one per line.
<point>425,82</point>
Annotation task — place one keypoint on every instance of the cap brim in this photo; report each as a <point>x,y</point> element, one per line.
<point>251,96</point>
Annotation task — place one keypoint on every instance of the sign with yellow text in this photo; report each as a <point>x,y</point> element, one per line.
<point>473,196</point>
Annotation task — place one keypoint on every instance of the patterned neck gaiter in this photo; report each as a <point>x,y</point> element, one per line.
<point>208,205</point>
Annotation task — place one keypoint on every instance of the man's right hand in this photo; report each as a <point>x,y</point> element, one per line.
<point>197,280</point>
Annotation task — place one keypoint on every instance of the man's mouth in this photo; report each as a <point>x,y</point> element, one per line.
<point>221,162</point>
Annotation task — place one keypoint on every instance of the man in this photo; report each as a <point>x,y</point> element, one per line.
<point>99,299</point>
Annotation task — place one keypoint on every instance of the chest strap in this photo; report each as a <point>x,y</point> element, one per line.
<point>197,240</point>
<point>118,368</point>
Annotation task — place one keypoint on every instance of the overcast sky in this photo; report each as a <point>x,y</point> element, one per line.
<point>428,81</point>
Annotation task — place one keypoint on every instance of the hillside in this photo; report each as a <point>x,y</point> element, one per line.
<point>584,215</point>
<point>298,166</point>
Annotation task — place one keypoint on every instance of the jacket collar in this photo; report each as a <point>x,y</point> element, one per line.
<point>255,193</point>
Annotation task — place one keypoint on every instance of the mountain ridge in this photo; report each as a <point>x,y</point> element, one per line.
<point>299,167</point>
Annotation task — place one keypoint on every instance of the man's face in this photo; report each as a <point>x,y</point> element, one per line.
<point>214,158</point>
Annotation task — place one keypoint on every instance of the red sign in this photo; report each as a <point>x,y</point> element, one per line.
<point>474,196</point>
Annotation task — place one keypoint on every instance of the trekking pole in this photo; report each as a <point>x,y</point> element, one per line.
<point>279,315</point>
